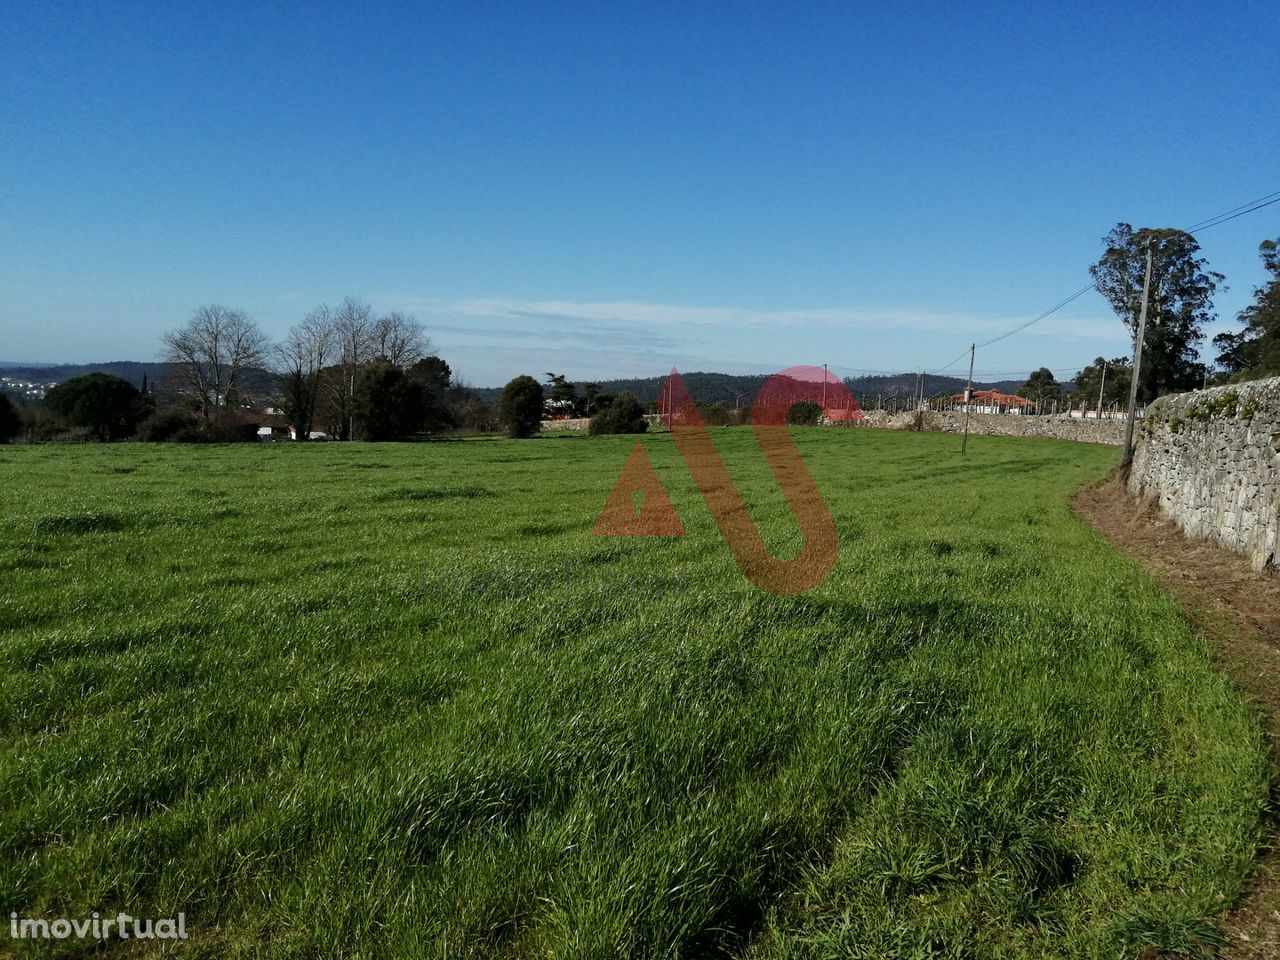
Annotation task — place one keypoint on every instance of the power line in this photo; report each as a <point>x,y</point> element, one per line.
<point>1239,211</point>
<point>1203,225</point>
<point>887,373</point>
<point>903,372</point>
<point>1052,310</point>
<point>988,374</point>
<point>1224,217</point>
<point>963,354</point>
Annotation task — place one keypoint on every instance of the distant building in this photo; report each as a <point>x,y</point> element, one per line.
<point>273,426</point>
<point>270,426</point>
<point>992,401</point>
<point>557,409</point>
<point>25,388</point>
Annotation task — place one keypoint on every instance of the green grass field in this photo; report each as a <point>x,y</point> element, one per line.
<point>396,701</point>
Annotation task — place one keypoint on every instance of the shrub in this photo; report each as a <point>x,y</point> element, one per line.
<point>176,425</point>
<point>520,408</point>
<point>229,431</point>
<point>718,415</point>
<point>40,424</point>
<point>171,424</point>
<point>623,415</point>
<point>804,413</point>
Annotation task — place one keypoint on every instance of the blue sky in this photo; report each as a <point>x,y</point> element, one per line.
<point>613,189</point>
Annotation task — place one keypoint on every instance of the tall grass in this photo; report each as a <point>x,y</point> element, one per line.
<point>396,701</point>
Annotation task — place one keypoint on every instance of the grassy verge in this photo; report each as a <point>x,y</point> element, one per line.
<point>396,701</point>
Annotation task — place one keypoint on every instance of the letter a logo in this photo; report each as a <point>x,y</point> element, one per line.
<point>655,516</point>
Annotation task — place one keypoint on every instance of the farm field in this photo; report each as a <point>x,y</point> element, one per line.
<point>397,701</point>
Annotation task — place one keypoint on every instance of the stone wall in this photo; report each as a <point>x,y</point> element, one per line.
<point>1017,425</point>
<point>578,424</point>
<point>1212,460</point>
<point>584,423</point>
<point>951,421</point>
<point>1002,425</point>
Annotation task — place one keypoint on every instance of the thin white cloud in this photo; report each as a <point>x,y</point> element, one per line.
<point>634,314</point>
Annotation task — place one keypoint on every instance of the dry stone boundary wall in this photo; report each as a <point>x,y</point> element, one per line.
<point>1211,458</point>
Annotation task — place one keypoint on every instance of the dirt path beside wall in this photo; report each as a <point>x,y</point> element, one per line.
<point>1239,610</point>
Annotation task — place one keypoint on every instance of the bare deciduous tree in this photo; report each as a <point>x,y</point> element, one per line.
<point>300,360</point>
<point>212,352</point>
<point>353,325</point>
<point>398,338</point>
<point>357,337</point>
<point>353,335</point>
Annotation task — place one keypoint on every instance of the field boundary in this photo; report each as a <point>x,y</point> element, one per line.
<point>1106,431</point>
<point>1212,458</point>
<point>1238,610</point>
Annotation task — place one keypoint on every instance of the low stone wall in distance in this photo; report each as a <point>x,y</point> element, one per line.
<point>578,424</point>
<point>584,423</point>
<point>1212,460</point>
<point>951,421</point>
<point>1002,425</point>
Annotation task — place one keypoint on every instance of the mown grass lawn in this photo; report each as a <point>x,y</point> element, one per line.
<point>396,701</point>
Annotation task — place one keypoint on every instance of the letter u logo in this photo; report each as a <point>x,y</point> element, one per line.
<point>775,398</point>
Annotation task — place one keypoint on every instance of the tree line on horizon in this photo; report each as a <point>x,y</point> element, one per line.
<point>343,372</point>
<point>358,375</point>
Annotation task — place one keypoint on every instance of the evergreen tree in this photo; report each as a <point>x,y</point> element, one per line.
<point>520,408</point>
<point>109,407</point>
<point>1180,302</point>
<point>1255,350</point>
<point>624,414</point>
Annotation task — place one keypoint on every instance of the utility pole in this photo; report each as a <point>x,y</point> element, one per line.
<point>1137,366</point>
<point>824,389</point>
<point>968,401</point>
<point>1100,387</point>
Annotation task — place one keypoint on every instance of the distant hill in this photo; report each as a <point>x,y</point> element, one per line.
<point>904,385</point>
<point>254,381</point>
<point>704,387</point>
<point>727,388</point>
<point>130,370</point>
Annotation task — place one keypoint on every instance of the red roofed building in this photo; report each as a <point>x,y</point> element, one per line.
<point>993,401</point>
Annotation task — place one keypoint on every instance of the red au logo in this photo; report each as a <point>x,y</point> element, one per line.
<point>657,516</point>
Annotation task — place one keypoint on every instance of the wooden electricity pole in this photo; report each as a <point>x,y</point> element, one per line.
<point>968,402</point>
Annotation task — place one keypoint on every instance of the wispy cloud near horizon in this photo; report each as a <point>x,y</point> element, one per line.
<point>611,338</point>
<point>609,315</point>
